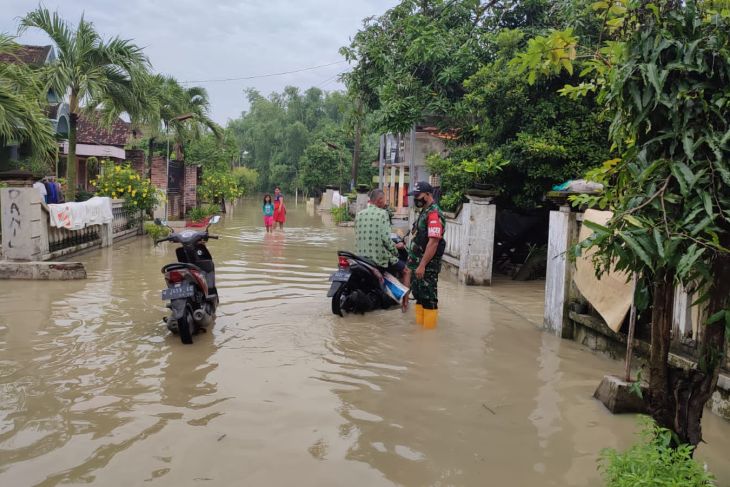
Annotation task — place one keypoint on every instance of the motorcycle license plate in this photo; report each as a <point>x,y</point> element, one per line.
<point>340,276</point>
<point>177,292</point>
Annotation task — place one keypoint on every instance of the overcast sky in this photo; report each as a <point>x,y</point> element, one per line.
<point>214,39</point>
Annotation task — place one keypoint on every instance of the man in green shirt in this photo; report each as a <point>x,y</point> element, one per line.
<point>372,235</point>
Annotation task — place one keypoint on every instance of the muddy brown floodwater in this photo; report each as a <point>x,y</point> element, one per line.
<point>94,390</point>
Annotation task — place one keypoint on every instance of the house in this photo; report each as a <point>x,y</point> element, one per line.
<point>403,162</point>
<point>94,141</point>
<point>34,56</point>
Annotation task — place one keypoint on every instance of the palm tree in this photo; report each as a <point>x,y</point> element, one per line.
<point>172,108</point>
<point>97,74</point>
<point>22,99</point>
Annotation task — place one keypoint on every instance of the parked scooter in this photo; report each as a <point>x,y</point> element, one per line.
<point>359,285</point>
<point>191,289</point>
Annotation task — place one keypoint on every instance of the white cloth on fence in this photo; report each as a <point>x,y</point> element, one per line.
<point>338,200</point>
<point>99,211</point>
<point>76,216</point>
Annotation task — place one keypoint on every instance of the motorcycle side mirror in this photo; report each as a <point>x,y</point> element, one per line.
<point>158,222</point>
<point>215,220</point>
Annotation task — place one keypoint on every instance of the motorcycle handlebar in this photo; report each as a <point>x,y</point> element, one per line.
<point>162,240</point>
<point>214,237</point>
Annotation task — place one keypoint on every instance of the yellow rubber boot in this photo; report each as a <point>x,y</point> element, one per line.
<point>419,314</point>
<point>430,318</point>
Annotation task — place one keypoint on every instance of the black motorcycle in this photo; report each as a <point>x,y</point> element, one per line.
<point>359,284</point>
<point>191,290</point>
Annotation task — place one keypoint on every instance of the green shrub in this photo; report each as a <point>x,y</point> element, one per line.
<point>201,212</point>
<point>450,202</point>
<point>341,214</point>
<point>156,231</point>
<point>653,462</point>
<point>83,195</point>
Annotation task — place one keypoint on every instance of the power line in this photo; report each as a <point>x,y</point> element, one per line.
<point>269,75</point>
<point>330,80</point>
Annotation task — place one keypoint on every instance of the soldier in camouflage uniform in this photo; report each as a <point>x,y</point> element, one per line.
<point>426,250</point>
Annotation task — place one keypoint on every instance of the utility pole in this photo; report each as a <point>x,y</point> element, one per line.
<point>358,141</point>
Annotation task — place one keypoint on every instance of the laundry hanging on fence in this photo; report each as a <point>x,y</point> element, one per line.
<point>76,216</point>
<point>612,294</point>
<point>338,200</point>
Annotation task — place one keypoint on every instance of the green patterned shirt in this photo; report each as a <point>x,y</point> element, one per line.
<point>372,236</point>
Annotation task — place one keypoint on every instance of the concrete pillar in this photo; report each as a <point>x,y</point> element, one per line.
<point>401,188</point>
<point>23,225</point>
<point>381,163</point>
<point>391,187</point>
<point>326,203</point>
<point>107,234</point>
<point>562,234</point>
<point>477,253</point>
<point>361,202</point>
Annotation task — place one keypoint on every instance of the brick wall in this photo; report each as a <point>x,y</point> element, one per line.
<point>136,158</point>
<point>159,172</point>
<point>190,186</point>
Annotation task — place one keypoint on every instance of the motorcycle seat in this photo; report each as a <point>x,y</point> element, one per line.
<point>180,265</point>
<point>365,260</point>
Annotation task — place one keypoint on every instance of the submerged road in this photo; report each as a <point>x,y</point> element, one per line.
<point>94,390</point>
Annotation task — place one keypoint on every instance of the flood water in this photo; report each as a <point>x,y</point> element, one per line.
<point>280,392</point>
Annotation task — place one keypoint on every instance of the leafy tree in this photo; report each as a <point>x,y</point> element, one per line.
<point>322,165</point>
<point>547,139</point>
<point>22,99</point>
<point>219,186</point>
<point>410,63</point>
<point>98,74</point>
<point>446,63</point>
<point>276,133</point>
<point>213,153</point>
<point>663,74</point>
<point>247,178</point>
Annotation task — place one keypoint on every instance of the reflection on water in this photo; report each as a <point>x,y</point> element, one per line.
<point>93,389</point>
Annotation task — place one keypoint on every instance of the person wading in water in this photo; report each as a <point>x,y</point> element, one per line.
<point>427,248</point>
<point>279,208</point>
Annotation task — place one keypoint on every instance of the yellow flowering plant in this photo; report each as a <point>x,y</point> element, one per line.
<point>219,186</point>
<point>123,182</point>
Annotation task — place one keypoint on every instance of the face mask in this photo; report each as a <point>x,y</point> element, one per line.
<point>420,203</point>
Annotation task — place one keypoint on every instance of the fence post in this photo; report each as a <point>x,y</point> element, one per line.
<point>477,252</point>
<point>106,233</point>
<point>22,224</point>
<point>562,234</point>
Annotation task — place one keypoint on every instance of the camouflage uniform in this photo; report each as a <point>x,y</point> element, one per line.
<point>425,291</point>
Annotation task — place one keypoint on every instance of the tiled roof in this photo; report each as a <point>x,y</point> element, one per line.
<point>88,131</point>
<point>32,55</point>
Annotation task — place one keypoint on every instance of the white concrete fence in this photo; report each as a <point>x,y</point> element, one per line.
<point>469,239</point>
<point>28,236</point>
<point>560,292</point>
